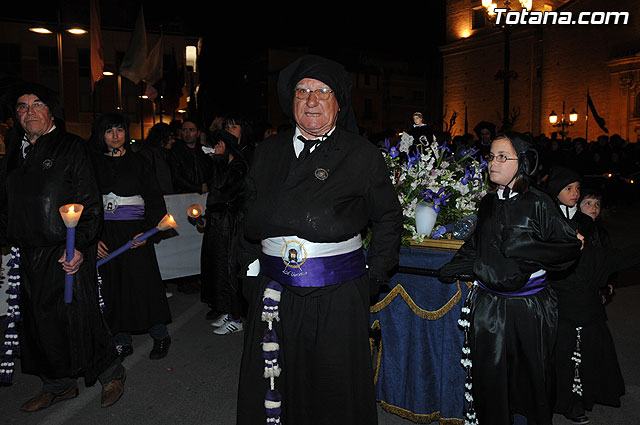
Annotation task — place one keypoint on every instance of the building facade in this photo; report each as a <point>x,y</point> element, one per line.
<point>35,57</point>
<point>550,65</point>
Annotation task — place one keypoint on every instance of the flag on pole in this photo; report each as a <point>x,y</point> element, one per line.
<point>97,55</point>
<point>153,72</point>
<point>134,63</point>
<point>596,117</point>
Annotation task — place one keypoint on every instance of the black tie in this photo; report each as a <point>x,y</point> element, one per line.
<point>308,144</point>
<point>27,149</point>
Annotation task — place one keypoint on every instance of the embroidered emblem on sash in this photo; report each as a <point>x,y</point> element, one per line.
<point>293,256</point>
<point>110,204</point>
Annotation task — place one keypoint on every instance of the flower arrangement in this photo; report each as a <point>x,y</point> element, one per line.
<point>429,171</point>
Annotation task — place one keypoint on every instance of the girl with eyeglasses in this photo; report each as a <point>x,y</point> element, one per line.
<point>510,313</point>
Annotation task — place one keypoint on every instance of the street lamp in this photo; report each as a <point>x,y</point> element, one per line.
<point>490,7</point>
<point>563,122</point>
<point>58,31</point>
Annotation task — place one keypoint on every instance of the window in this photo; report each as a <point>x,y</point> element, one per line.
<point>48,72</point>
<point>86,101</point>
<point>478,18</point>
<point>10,59</point>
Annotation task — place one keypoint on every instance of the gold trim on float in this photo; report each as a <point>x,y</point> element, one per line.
<point>376,325</point>
<point>424,314</point>
<point>419,418</point>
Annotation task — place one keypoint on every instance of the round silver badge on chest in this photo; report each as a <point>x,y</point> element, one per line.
<point>321,174</point>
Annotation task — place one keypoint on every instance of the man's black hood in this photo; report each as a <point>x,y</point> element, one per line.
<point>329,72</point>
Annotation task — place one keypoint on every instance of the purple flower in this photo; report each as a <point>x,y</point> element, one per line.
<point>441,231</point>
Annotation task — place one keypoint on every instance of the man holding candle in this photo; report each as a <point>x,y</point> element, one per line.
<point>45,168</point>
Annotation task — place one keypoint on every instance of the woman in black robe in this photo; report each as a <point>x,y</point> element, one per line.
<point>220,285</point>
<point>510,314</point>
<point>132,288</point>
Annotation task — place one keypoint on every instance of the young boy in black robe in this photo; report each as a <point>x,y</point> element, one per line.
<point>585,362</point>
<point>510,315</point>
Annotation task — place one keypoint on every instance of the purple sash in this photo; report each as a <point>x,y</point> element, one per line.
<point>534,285</point>
<point>314,271</point>
<point>126,212</point>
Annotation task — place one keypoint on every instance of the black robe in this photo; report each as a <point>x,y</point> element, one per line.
<point>512,337</point>
<point>190,167</point>
<point>220,285</point>
<point>133,292</point>
<point>56,339</point>
<point>580,305</point>
<point>323,332</point>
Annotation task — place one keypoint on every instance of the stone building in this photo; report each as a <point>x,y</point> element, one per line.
<point>550,64</point>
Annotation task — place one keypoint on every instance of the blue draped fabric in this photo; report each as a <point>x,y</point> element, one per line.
<point>419,375</point>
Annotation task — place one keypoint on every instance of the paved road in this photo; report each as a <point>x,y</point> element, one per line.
<point>196,383</point>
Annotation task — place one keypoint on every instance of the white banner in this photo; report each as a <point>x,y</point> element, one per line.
<point>179,255</point>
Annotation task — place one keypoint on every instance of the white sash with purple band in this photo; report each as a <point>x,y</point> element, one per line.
<point>123,207</point>
<point>294,261</point>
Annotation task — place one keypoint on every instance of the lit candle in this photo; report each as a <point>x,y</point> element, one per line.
<point>167,222</point>
<point>195,214</point>
<point>70,214</point>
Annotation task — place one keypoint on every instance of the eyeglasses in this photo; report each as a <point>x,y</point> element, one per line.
<point>499,158</point>
<point>321,94</point>
<point>22,108</point>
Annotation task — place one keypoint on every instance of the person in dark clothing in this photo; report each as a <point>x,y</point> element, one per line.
<point>585,362</point>
<point>132,288</point>
<point>220,285</point>
<point>190,166</point>
<point>46,168</point>
<point>156,149</point>
<point>510,314</point>
<point>485,133</point>
<point>311,190</point>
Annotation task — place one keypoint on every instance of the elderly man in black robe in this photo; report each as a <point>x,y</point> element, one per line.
<point>45,168</point>
<point>313,189</point>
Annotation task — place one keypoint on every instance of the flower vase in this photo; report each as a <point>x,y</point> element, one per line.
<point>425,218</point>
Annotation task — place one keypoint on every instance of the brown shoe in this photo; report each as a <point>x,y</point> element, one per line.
<point>44,400</point>
<point>112,391</point>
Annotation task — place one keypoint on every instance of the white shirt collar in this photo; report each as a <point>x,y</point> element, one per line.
<point>568,212</point>
<point>26,142</point>
<point>298,145</point>
<point>501,193</point>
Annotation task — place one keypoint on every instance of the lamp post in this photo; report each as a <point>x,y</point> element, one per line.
<point>506,30</point>
<point>563,122</point>
<point>58,30</point>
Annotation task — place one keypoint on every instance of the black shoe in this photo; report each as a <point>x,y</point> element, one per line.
<point>160,348</point>
<point>124,351</point>
<point>579,420</point>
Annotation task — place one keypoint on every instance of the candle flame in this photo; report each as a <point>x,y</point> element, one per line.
<point>167,222</point>
<point>71,209</point>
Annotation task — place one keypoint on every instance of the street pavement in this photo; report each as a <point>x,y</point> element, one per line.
<point>197,382</point>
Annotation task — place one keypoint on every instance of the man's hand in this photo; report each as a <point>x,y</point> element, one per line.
<point>71,267</point>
